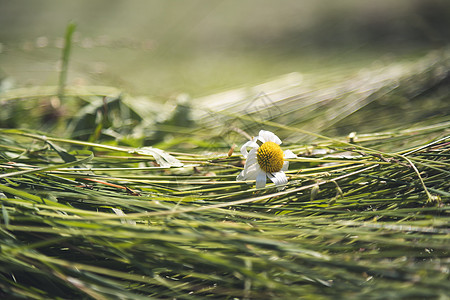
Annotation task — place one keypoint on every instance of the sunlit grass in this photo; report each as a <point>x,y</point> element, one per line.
<point>96,209</point>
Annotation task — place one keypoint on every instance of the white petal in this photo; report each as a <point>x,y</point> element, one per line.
<point>267,136</point>
<point>251,157</point>
<point>241,176</point>
<point>279,178</point>
<point>261,179</point>
<point>250,168</point>
<point>285,166</point>
<point>289,154</point>
<point>251,144</point>
<point>251,172</point>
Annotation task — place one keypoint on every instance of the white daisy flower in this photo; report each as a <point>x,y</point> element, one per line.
<point>265,159</point>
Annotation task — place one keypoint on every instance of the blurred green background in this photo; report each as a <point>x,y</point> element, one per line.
<point>163,48</point>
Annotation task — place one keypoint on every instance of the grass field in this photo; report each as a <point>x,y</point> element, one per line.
<point>109,191</point>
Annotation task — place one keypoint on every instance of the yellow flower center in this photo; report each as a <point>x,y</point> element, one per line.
<point>270,157</point>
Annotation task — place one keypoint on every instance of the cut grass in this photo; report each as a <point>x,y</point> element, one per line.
<point>189,232</point>
<point>363,216</point>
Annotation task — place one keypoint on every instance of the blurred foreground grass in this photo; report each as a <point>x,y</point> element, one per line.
<point>132,198</point>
